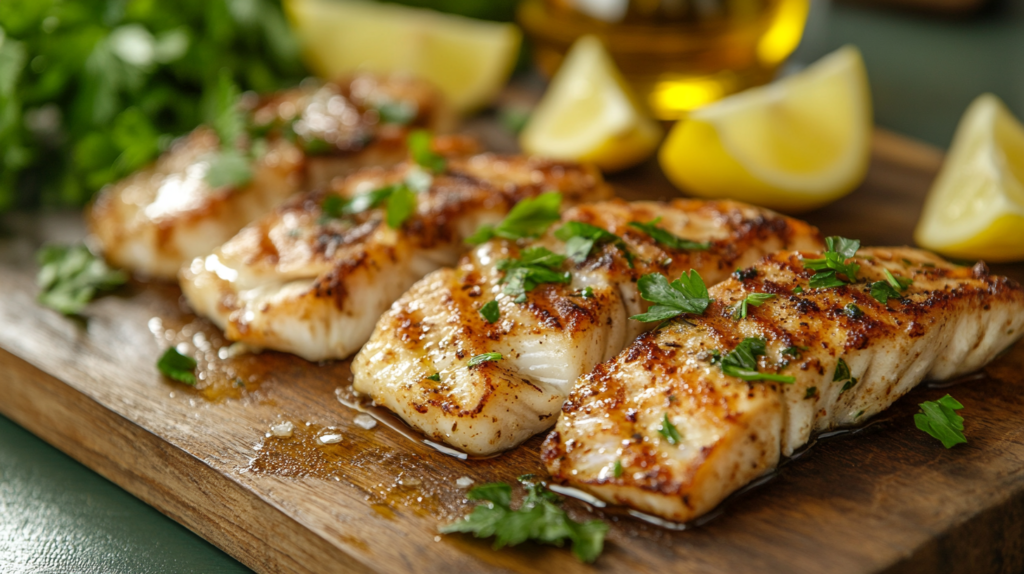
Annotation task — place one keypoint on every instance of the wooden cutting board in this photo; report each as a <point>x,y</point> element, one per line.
<point>887,499</point>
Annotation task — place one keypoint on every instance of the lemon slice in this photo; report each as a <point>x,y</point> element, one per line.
<point>975,208</point>
<point>589,114</point>
<point>468,60</point>
<point>794,145</point>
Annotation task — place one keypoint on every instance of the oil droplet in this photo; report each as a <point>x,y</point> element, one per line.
<point>283,430</point>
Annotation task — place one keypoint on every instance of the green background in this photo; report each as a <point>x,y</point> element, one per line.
<point>58,516</point>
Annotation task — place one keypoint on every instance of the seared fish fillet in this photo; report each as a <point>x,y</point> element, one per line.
<point>297,282</point>
<point>558,333</point>
<point>161,217</point>
<point>610,439</point>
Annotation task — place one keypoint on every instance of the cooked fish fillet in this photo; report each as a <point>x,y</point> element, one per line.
<point>610,439</point>
<point>164,215</point>
<point>557,334</point>
<point>295,282</point>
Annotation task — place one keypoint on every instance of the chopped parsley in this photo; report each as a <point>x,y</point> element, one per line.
<point>229,166</point>
<point>617,469</point>
<point>435,377</point>
<point>668,239</point>
<point>538,518</point>
<point>178,367</point>
<point>848,385</point>
<point>798,290</point>
<point>834,263</point>
<point>940,420</point>
<point>587,292</point>
<point>891,288</point>
<point>401,205</point>
<point>580,239</point>
<point>842,371</point>
<point>529,218</point>
<point>811,391</point>
<point>744,274</point>
<point>70,276</point>
<point>741,362</point>
<point>484,358</point>
<point>688,294</point>
<point>490,311</point>
<point>853,311</point>
<point>792,352</point>
<point>755,299</point>
<point>669,431</point>
<point>419,147</point>
<point>535,266</point>
<point>399,201</point>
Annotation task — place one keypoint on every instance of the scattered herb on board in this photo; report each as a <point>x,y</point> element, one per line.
<point>666,238</point>
<point>529,218</point>
<point>538,518</point>
<point>178,367</point>
<point>940,420</point>
<point>70,276</point>
<point>688,294</point>
<point>741,362</point>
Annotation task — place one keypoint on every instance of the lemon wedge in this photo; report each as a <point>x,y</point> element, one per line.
<point>589,114</point>
<point>975,208</point>
<point>468,60</point>
<point>793,145</point>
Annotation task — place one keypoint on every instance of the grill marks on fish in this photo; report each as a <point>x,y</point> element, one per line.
<point>296,281</point>
<point>557,334</point>
<point>951,320</point>
<point>161,217</point>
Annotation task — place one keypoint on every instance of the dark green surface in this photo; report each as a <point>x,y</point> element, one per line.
<point>57,516</point>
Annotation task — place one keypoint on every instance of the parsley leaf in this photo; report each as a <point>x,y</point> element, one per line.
<point>484,358</point>
<point>688,294</point>
<point>490,311</point>
<point>939,419</point>
<point>398,198</point>
<point>537,518</point>
<point>669,431</point>
<point>853,311</point>
<point>741,362</point>
<point>174,365</point>
<point>891,288</point>
<point>811,391</point>
<point>580,238</point>
<point>587,292</point>
<point>536,265</point>
<point>833,264</point>
<point>842,371</point>
<point>419,147</point>
<point>228,168</point>
<point>617,469</point>
<point>668,239</point>
<point>529,218</point>
<point>435,377</point>
<point>401,205</point>
<point>755,299</point>
<point>70,276</point>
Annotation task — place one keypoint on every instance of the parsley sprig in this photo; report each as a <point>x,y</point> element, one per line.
<point>668,239</point>
<point>834,264</point>
<point>741,362</point>
<point>538,518</point>
<point>580,239</point>
<point>484,358</point>
<point>178,367</point>
<point>669,431</point>
<point>891,288</point>
<point>398,200</point>
<point>755,299</point>
<point>535,266</point>
<point>688,294</point>
<point>70,276</point>
<point>419,142</point>
<point>939,419</point>
<point>230,166</point>
<point>490,311</point>
<point>529,218</point>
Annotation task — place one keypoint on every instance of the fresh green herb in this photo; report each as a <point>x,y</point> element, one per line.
<point>537,518</point>
<point>535,266</point>
<point>587,292</point>
<point>420,148</point>
<point>834,263</point>
<point>811,391</point>
<point>688,294</point>
<point>529,218</point>
<point>435,377</point>
<point>228,169</point>
<point>857,416</point>
<point>798,290</point>
<point>940,420</point>
<point>399,200</point>
<point>842,371</point>
<point>744,274</point>
<point>401,205</point>
<point>848,385</point>
<point>396,112</point>
<point>755,299</point>
<point>898,283</point>
<point>178,367</point>
<point>484,358</point>
<point>741,362</point>
<point>853,311</point>
<point>882,292</point>
<point>617,469</point>
<point>669,431</point>
<point>668,239</point>
<point>70,276</point>
<point>716,356</point>
<point>792,352</point>
<point>580,238</point>
<point>490,311</point>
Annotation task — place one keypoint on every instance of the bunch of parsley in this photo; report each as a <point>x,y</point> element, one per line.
<point>91,90</point>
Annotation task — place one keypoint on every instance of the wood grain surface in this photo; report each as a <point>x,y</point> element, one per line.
<point>888,499</point>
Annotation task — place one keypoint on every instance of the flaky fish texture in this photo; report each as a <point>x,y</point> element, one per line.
<point>611,439</point>
<point>161,217</point>
<point>300,282</point>
<point>560,332</point>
